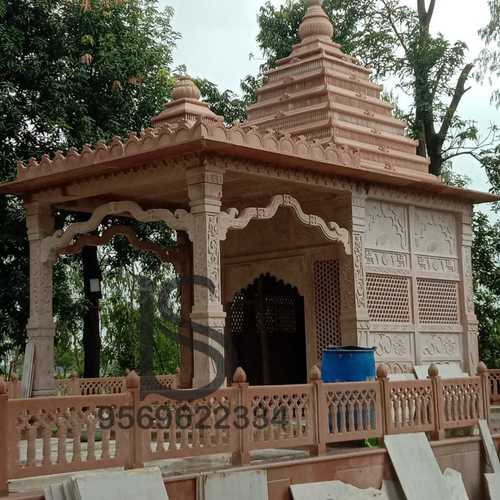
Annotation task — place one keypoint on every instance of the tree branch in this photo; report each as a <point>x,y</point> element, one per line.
<point>460,90</point>
<point>430,12</point>
<point>394,28</point>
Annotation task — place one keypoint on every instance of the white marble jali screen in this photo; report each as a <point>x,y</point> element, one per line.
<point>412,273</point>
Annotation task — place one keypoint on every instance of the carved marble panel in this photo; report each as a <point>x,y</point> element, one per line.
<point>392,346</point>
<point>435,233</point>
<point>387,226</point>
<point>441,346</point>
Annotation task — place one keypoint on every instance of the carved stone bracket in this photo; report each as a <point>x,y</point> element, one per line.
<point>180,220</point>
<point>232,219</point>
<point>172,255</point>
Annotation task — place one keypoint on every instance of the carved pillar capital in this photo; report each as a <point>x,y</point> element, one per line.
<point>205,187</point>
<point>39,221</point>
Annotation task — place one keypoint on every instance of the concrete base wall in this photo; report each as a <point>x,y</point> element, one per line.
<point>363,468</point>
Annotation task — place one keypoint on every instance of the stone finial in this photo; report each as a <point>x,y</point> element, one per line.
<point>186,107</point>
<point>315,374</point>
<point>433,371</point>
<point>185,88</point>
<point>132,380</point>
<point>3,386</point>
<point>482,368</point>
<point>74,375</point>
<point>382,371</point>
<point>14,377</point>
<point>316,23</point>
<point>240,377</point>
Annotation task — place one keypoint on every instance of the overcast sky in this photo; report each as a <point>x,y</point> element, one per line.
<point>219,35</point>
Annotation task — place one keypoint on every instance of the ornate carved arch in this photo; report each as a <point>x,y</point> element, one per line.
<point>51,246</point>
<point>172,255</point>
<point>232,219</point>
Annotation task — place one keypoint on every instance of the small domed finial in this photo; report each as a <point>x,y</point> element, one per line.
<point>315,374</point>
<point>3,386</point>
<point>433,371</point>
<point>240,377</point>
<point>132,380</point>
<point>185,88</point>
<point>316,23</point>
<point>482,368</point>
<point>382,371</point>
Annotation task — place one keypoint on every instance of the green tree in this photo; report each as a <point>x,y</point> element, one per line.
<point>490,56</point>
<point>69,76</point>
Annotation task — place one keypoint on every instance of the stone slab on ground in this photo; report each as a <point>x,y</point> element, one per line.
<point>393,490</point>
<point>146,484</point>
<point>455,485</point>
<point>489,447</point>
<point>334,490</point>
<point>245,485</point>
<point>493,485</point>
<point>416,467</point>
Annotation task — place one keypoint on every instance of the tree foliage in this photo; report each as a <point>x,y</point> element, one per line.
<point>69,76</point>
<point>490,56</point>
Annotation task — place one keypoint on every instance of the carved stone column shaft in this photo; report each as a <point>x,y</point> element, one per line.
<point>205,194</point>
<point>471,330</point>
<point>355,320</point>
<point>40,329</point>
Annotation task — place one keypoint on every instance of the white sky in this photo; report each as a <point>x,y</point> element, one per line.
<point>219,35</point>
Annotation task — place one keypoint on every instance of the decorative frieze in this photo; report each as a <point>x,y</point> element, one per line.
<point>385,261</point>
<point>440,265</point>
<point>392,345</point>
<point>440,346</point>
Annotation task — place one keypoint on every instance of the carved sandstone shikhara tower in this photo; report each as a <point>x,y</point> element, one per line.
<point>315,220</point>
<point>321,93</point>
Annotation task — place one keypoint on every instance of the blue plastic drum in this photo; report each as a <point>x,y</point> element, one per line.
<point>348,364</point>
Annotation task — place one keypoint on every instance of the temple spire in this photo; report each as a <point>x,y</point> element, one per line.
<point>316,24</point>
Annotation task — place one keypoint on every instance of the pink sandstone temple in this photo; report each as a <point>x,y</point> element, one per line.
<point>315,220</point>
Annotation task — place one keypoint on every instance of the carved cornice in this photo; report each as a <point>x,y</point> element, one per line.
<point>421,199</point>
<point>289,175</point>
<point>154,139</point>
<point>232,219</point>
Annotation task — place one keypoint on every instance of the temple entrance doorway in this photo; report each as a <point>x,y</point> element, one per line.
<point>267,333</point>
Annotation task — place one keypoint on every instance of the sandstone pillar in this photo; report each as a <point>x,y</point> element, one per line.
<point>38,373</point>
<point>471,330</point>
<point>205,194</point>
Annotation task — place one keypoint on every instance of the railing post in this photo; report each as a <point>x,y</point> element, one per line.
<point>437,402</point>
<point>136,441</point>
<point>482,371</point>
<point>241,455</point>
<point>385,402</point>
<point>319,412</point>
<point>4,454</point>
<point>74,385</point>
